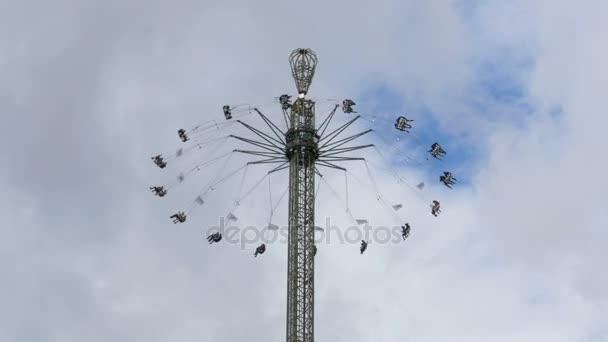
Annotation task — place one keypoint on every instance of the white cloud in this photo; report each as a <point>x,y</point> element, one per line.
<point>94,89</point>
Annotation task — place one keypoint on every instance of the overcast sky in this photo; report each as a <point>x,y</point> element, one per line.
<point>514,90</point>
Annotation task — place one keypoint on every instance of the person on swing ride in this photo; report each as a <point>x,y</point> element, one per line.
<point>437,151</point>
<point>260,250</point>
<point>435,208</point>
<point>284,101</point>
<point>447,179</point>
<point>215,237</point>
<point>227,112</point>
<point>180,217</point>
<point>402,124</point>
<point>158,191</point>
<point>158,160</point>
<point>347,106</point>
<point>182,134</point>
<point>363,246</point>
<point>405,231</point>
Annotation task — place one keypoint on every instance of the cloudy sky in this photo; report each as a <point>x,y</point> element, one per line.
<point>514,91</point>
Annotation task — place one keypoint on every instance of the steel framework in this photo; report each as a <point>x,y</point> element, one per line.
<point>302,151</point>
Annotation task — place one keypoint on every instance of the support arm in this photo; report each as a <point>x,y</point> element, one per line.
<point>272,126</point>
<point>329,165</point>
<point>331,136</point>
<point>268,147</point>
<point>336,151</point>
<point>262,135</point>
<point>260,153</point>
<point>327,121</point>
<point>345,140</point>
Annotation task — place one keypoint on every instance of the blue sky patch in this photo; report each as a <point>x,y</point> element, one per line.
<point>409,150</point>
<point>497,96</point>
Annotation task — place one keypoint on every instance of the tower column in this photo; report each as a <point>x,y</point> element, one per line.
<point>302,151</point>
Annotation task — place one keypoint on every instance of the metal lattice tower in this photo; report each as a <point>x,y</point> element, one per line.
<point>302,151</point>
